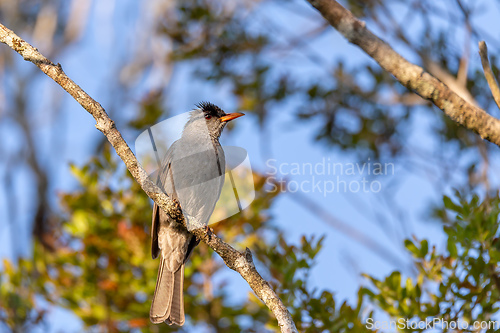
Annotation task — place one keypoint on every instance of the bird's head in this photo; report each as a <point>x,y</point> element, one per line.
<point>210,117</point>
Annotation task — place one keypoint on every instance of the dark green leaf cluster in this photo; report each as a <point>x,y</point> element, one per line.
<point>461,284</point>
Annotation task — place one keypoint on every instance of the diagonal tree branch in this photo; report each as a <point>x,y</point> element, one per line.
<point>409,75</point>
<point>240,262</point>
<point>488,72</point>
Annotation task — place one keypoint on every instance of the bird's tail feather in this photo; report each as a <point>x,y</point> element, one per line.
<point>168,298</point>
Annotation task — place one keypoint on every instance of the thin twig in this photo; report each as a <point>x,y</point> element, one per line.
<point>488,72</point>
<point>240,262</point>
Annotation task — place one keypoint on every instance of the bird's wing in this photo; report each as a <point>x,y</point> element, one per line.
<point>161,182</point>
<point>222,158</point>
<point>194,197</point>
<point>155,249</point>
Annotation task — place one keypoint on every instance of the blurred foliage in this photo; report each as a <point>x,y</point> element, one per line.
<point>18,287</point>
<point>312,310</point>
<point>353,116</point>
<point>461,284</point>
<point>235,52</point>
<point>102,269</point>
<point>151,109</point>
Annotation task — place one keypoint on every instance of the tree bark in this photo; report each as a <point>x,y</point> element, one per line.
<point>409,75</point>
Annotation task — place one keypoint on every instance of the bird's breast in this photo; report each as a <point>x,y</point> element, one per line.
<point>197,179</point>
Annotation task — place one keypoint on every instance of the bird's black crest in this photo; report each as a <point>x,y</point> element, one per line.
<point>211,109</point>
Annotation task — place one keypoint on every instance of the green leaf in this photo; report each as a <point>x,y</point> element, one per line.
<point>412,248</point>
<point>494,256</point>
<point>452,248</point>
<point>424,248</point>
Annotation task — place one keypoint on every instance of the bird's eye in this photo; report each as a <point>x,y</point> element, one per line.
<point>207,116</point>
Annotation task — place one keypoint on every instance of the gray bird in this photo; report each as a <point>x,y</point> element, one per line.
<point>192,173</point>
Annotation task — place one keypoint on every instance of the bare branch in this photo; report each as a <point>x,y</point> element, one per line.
<point>488,73</point>
<point>240,262</point>
<point>409,75</point>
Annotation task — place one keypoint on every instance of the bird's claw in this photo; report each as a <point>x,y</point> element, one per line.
<point>209,231</point>
<point>176,203</point>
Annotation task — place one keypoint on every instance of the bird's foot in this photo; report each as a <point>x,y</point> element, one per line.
<point>209,232</point>
<point>176,203</point>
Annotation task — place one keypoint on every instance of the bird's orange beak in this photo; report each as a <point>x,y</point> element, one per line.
<point>231,116</point>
